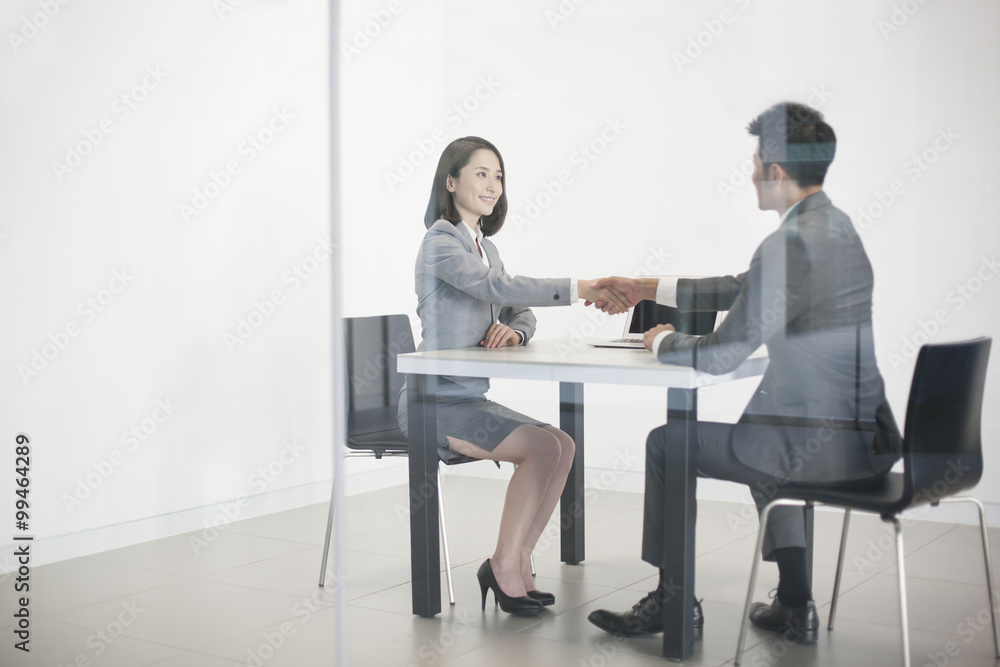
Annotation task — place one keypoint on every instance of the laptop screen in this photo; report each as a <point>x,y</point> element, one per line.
<point>647,314</point>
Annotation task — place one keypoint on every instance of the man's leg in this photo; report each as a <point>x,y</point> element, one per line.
<point>785,542</point>
<point>646,615</point>
<point>657,458</point>
<point>785,538</point>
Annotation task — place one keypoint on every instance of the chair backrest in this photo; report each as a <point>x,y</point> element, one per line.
<point>942,447</point>
<point>373,343</point>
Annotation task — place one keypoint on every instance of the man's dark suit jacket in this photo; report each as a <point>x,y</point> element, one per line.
<point>820,412</point>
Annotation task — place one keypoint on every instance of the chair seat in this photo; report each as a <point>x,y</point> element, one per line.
<point>372,420</point>
<point>885,496</point>
<point>378,429</point>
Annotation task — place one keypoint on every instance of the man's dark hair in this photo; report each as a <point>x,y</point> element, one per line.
<point>455,157</point>
<point>796,137</point>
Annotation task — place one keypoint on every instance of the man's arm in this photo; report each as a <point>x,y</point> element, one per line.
<point>774,292</point>
<point>687,294</point>
<point>701,294</point>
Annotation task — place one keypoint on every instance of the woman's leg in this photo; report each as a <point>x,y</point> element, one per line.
<point>567,450</point>
<point>536,452</point>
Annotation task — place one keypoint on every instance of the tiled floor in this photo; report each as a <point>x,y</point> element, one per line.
<point>249,596</point>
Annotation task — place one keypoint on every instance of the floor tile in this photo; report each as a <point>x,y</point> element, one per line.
<point>375,638</point>
<point>189,615</point>
<point>934,606</point>
<point>946,561</point>
<point>80,582</point>
<point>198,554</point>
<point>305,524</point>
<point>854,644</point>
<point>193,659</point>
<point>53,643</point>
<point>527,650</point>
<point>972,535</point>
<point>295,573</point>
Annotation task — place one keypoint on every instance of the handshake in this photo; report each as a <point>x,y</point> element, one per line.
<point>615,294</point>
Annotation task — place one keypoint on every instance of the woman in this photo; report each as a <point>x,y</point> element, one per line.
<point>465,298</point>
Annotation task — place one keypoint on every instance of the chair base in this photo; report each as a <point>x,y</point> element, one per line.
<point>900,568</point>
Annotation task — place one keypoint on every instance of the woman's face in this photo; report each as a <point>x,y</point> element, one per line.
<point>478,186</point>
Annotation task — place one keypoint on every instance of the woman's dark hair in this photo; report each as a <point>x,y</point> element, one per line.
<point>796,137</point>
<point>455,157</point>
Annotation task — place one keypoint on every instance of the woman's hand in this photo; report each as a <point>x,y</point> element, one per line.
<point>501,335</point>
<point>612,301</point>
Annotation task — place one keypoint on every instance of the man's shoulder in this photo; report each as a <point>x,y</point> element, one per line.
<point>817,220</point>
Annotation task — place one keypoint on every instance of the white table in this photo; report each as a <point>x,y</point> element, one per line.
<point>571,365</point>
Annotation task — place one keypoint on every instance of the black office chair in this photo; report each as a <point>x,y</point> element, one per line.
<point>943,419</point>
<point>372,388</point>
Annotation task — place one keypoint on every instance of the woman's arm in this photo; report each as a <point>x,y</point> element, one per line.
<point>446,258</point>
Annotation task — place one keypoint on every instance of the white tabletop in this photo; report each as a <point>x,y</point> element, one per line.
<point>561,360</point>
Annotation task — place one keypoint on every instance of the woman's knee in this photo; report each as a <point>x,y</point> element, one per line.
<point>545,448</point>
<point>567,448</point>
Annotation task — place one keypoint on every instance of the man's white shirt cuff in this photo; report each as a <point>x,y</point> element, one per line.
<point>666,292</point>
<point>660,336</point>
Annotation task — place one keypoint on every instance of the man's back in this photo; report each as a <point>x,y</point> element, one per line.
<point>808,296</point>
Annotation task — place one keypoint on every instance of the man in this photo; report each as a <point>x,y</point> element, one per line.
<point>819,414</point>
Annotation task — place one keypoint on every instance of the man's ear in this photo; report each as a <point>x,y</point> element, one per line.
<point>777,173</point>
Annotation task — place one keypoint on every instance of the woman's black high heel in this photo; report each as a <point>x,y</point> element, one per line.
<point>545,598</point>
<point>511,605</point>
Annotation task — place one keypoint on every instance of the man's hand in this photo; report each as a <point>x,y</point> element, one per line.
<point>501,335</point>
<point>612,301</point>
<point>650,336</point>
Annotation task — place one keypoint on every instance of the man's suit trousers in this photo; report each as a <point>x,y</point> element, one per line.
<point>716,459</point>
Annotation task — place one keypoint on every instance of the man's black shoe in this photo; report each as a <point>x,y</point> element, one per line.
<point>798,624</point>
<point>645,617</point>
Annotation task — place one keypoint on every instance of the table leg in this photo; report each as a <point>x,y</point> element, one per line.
<point>808,512</point>
<point>678,537</point>
<point>571,505</point>
<point>425,559</point>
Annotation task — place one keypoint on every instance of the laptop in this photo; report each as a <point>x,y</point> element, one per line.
<point>647,314</point>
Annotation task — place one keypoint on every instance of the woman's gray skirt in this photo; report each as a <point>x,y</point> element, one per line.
<point>478,420</point>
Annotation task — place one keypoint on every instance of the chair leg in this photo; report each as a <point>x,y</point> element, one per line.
<point>444,540</point>
<point>326,545</point>
<point>745,620</point>
<point>840,567</point>
<point>531,559</point>
<point>990,590</point>
<point>902,590</point>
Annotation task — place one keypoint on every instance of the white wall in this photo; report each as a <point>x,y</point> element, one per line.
<point>158,100</point>
<point>666,194</point>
